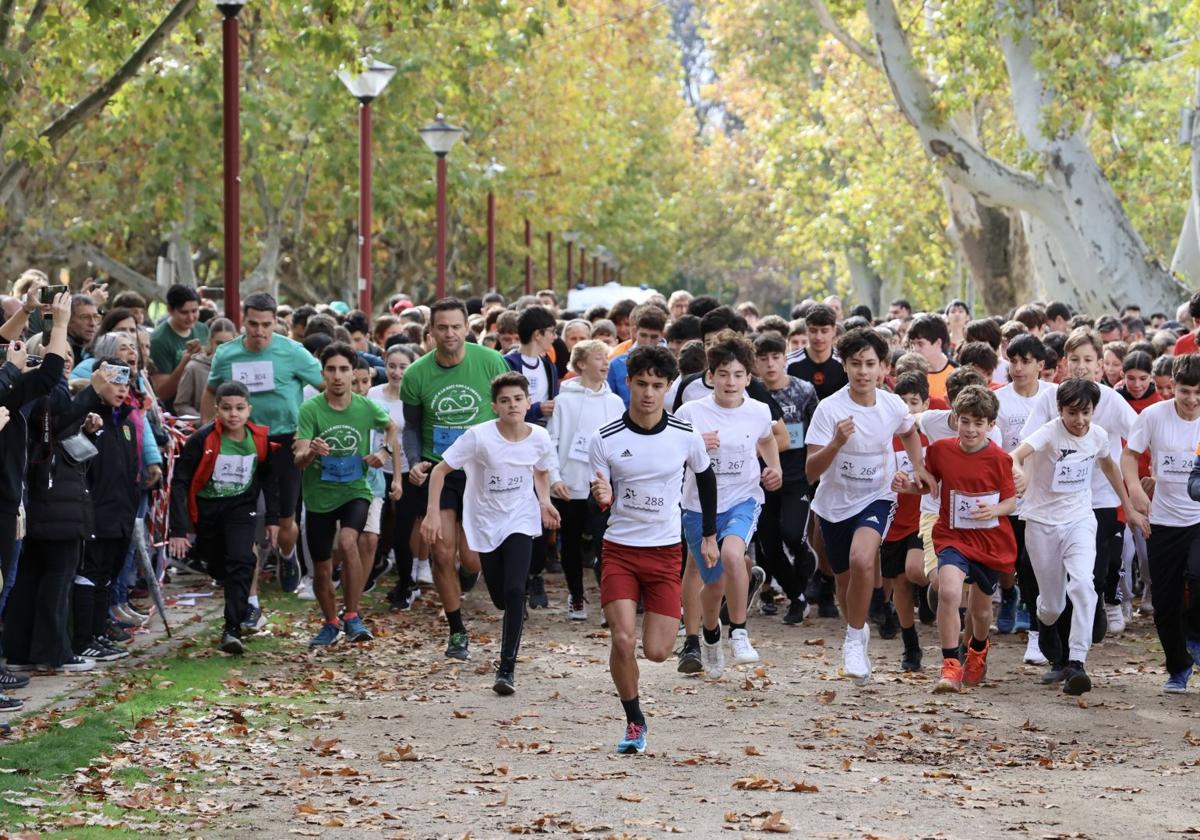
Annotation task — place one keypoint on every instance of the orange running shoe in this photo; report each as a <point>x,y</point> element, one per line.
<point>952,677</point>
<point>976,668</point>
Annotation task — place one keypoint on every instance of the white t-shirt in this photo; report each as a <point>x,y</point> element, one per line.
<point>646,469</point>
<point>863,469</point>
<point>736,461</point>
<point>935,425</point>
<point>1172,443</point>
<point>500,499</point>
<point>1112,414</point>
<point>534,369</point>
<point>1015,411</point>
<point>1000,374</point>
<point>395,410</point>
<point>1061,472</point>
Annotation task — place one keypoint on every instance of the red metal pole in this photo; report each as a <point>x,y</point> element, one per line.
<point>570,265</point>
<point>232,139</point>
<point>549,260</point>
<point>528,258</point>
<point>595,271</point>
<point>583,265</point>
<point>441,227</point>
<point>491,241</point>
<point>364,207</point>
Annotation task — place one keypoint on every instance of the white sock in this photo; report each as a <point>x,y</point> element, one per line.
<point>253,600</point>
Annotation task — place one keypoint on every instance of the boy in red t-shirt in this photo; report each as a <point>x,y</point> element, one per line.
<point>973,538</point>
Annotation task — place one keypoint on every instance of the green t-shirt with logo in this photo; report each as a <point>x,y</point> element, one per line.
<point>341,476</point>
<point>234,471</point>
<point>452,399</point>
<point>274,377</point>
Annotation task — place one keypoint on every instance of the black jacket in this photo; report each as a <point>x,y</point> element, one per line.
<point>113,478</point>
<point>58,501</point>
<point>16,390</point>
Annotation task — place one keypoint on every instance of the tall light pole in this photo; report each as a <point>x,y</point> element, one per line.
<point>365,87</point>
<point>492,170</point>
<point>570,238</point>
<point>582,263</point>
<point>549,260</point>
<point>441,137</point>
<point>528,257</point>
<point>231,122</point>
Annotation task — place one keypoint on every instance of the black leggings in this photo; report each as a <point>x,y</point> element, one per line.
<point>1026,579</point>
<point>225,540</point>
<point>405,513</point>
<point>505,571</point>
<point>102,559</point>
<point>783,521</point>
<point>579,516</point>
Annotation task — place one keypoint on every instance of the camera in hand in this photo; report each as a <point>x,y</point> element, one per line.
<point>49,293</point>
<point>32,361</point>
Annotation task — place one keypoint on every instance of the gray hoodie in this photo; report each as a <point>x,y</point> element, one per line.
<point>578,412</point>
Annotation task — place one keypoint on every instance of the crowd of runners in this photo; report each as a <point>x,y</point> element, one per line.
<point>1031,472</point>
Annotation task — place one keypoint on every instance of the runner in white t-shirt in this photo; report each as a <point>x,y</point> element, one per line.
<point>506,503</point>
<point>639,462</point>
<point>1027,356</point>
<point>850,452</point>
<point>736,429</point>
<point>1060,528</point>
<point>1170,432</point>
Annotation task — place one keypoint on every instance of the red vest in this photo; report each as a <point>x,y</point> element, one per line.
<point>208,461</point>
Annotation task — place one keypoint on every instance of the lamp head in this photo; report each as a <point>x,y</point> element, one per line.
<point>230,8</point>
<point>369,82</point>
<point>440,136</point>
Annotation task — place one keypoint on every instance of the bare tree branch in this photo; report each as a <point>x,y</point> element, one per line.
<point>98,98</point>
<point>6,20</point>
<point>829,24</point>
<point>35,17</point>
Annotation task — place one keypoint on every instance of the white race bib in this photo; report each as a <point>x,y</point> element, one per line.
<point>642,502</point>
<point>795,435</point>
<point>963,504</point>
<point>256,376</point>
<point>1073,474</point>
<point>863,471</point>
<point>903,462</point>
<point>234,469</point>
<point>502,480</point>
<point>1173,467</point>
<point>579,447</point>
<point>730,460</point>
<point>1013,425</point>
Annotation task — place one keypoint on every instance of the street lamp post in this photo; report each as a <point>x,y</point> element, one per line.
<point>582,264</point>
<point>365,87</point>
<point>595,271</point>
<point>570,237</point>
<point>441,137</point>
<point>231,122</point>
<point>492,170</point>
<point>549,260</point>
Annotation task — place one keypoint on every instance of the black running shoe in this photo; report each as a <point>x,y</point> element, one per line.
<point>766,602</point>
<point>232,645</point>
<point>504,684</point>
<point>1075,679</point>
<point>797,611</point>
<point>535,588</point>
<point>689,658</point>
<point>890,626</point>
<point>459,647</point>
<point>912,659</point>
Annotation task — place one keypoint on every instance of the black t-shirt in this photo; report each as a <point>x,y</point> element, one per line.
<point>828,377</point>
<point>797,400</point>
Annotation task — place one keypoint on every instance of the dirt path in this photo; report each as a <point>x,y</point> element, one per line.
<point>400,742</point>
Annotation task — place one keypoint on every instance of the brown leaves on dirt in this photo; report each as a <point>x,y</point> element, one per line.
<point>759,782</point>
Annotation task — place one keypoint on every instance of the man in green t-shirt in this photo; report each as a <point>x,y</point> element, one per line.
<point>176,340</point>
<point>333,439</point>
<point>444,393</point>
<point>274,370</point>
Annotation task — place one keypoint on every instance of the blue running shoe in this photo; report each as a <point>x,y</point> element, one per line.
<point>289,573</point>
<point>1023,624</point>
<point>328,636</point>
<point>1193,647</point>
<point>1006,618</point>
<point>1177,682</point>
<point>634,742</point>
<point>356,630</point>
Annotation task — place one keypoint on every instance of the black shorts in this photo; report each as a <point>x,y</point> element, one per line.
<point>285,471</point>
<point>321,529</point>
<point>453,491</point>
<point>893,556</point>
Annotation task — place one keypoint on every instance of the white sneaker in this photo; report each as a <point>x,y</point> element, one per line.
<point>422,572</point>
<point>1033,653</point>
<point>305,590</point>
<point>1116,618</point>
<point>743,652</point>
<point>712,657</point>
<point>855,662</point>
<point>576,611</point>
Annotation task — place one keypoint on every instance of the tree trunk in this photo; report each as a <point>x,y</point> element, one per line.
<point>865,282</point>
<point>1186,261</point>
<point>1101,256</point>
